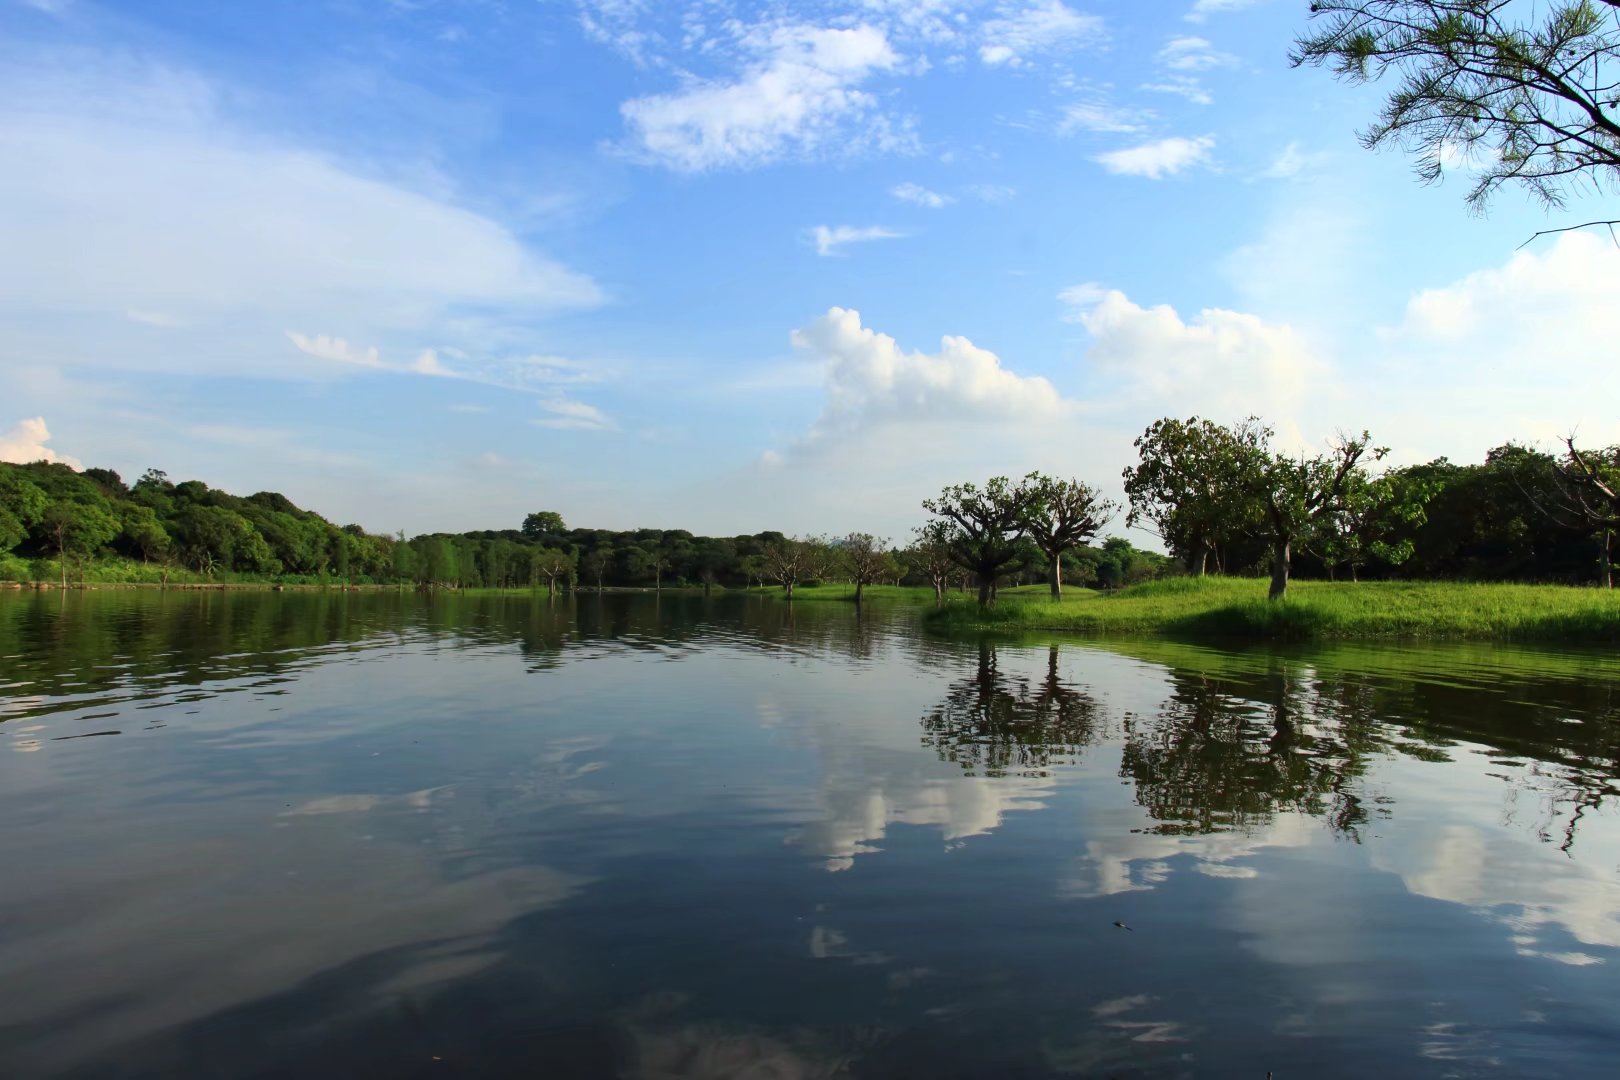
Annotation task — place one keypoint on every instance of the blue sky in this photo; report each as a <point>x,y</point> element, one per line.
<point>731,266</point>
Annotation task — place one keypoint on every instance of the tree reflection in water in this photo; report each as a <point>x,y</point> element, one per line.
<point>1220,755</point>
<point>1217,755</point>
<point>999,724</point>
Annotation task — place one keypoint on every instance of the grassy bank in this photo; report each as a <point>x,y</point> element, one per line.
<point>1314,610</point>
<point>846,593</point>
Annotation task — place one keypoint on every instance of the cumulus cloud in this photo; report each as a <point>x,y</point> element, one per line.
<point>830,239</point>
<point>1525,349</point>
<point>1224,363</point>
<point>1021,32</point>
<point>869,377</point>
<point>920,196</point>
<point>25,442</point>
<point>799,96</point>
<point>1159,159</point>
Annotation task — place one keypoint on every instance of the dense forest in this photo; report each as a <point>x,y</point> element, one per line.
<point>58,524</point>
<point>1503,519</point>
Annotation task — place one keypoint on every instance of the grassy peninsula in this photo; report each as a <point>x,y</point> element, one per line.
<point>1194,607</point>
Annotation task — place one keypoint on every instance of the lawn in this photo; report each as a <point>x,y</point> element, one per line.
<point>1313,610</point>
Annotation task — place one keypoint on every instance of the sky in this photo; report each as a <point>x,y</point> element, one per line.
<point>731,266</point>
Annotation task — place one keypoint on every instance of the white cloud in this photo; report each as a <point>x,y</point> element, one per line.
<point>1081,298</point>
<point>1187,53</point>
<point>1099,117</point>
<point>223,236</point>
<point>869,377</point>
<point>919,195</point>
<point>470,410</point>
<point>25,442</point>
<point>567,414</point>
<point>1155,160</point>
<point>529,374</point>
<point>334,348</point>
<point>1019,33</point>
<point>1202,9</point>
<point>1291,162</point>
<point>1185,86</point>
<point>829,239</point>
<point>1227,364</point>
<point>991,193</point>
<point>1523,350</point>
<point>799,96</point>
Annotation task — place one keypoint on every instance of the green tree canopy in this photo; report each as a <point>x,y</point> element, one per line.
<point>987,528</point>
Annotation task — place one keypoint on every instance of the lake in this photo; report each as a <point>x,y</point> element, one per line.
<point>373,834</point>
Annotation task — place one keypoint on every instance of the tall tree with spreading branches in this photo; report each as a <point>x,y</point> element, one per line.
<point>1296,494</point>
<point>930,556</point>
<point>1063,514</point>
<point>1528,92</point>
<point>1581,492</point>
<point>866,557</point>
<point>1190,488</point>
<point>988,528</point>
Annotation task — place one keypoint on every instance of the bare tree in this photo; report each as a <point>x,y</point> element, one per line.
<point>595,563</point>
<point>821,558</point>
<point>786,563</point>
<point>930,555</point>
<point>866,557</point>
<point>555,566</point>
<point>1582,493</point>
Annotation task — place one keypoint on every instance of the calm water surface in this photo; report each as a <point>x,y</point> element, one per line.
<point>378,835</point>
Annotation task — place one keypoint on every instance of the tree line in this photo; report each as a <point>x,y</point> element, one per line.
<point>1219,498</point>
<point>56,522</point>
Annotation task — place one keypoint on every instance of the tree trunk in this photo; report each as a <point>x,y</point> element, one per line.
<point>939,594</point>
<point>1279,570</point>
<point>858,590</point>
<point>1199,563</point>
<point>1057,575</point>
<point>551,587</point>
<point>658,579</point>
<point>1353,577</point>
<point>1606,565</point>
<point>984,591</point>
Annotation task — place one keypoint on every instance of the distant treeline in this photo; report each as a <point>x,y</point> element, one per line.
<point>59,523</point>
<point>1211,494</point>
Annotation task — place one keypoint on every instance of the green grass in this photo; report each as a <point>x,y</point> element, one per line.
<point>1313,610</point>
<point>846,593</point>
<point>114,571</point>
